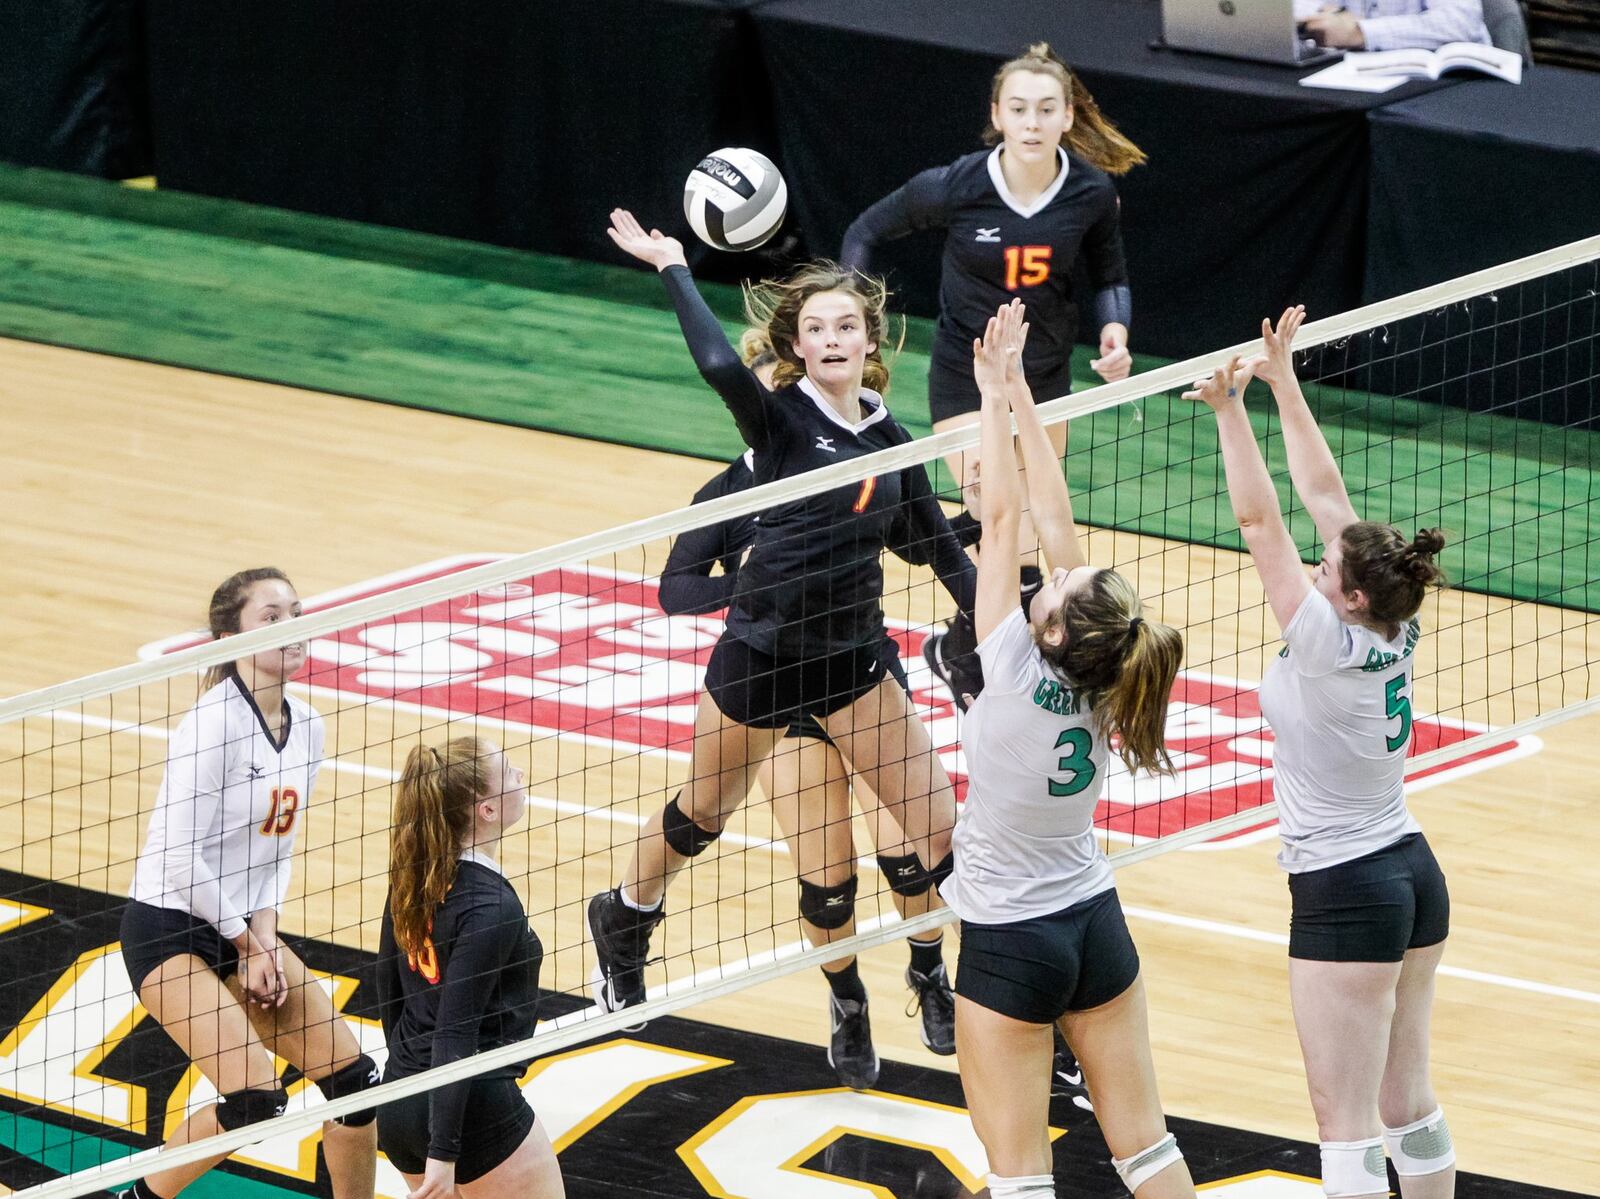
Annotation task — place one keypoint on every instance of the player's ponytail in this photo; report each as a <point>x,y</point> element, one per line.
<point>1392,573</point>
<point>1092,137</point>
<point>432,820</point>
<point>773,309</point>
<point>1123,664</point>
<point>755,351</point>
<point>227,605</point>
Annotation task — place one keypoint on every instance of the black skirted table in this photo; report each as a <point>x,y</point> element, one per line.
<point>1482,173</point>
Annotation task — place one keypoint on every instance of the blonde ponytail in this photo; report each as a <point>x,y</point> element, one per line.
<point>1124,664</point>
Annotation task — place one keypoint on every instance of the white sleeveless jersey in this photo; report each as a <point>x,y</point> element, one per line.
<point>1025,844</point>
<point>221,839</point>
<point>1338,698</point>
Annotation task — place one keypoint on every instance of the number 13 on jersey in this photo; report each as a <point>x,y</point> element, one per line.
<point>1026,266</point>
<point>280,820</point>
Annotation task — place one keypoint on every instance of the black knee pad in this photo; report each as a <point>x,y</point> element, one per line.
<point>829,907</point>
<point>942,868</point>
<point>686,837</point>
<point>238,1108</point>
<point>904,875</point>
<point>350,1080</point>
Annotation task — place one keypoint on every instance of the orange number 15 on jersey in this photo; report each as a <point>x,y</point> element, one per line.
<point>1026,266</point>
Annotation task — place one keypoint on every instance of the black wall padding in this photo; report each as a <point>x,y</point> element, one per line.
<point>72,87</point>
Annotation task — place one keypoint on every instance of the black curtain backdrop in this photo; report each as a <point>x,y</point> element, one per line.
<point>502,121</point>
<point>1464,179</point>
<point>523,124</point>
<point>1479,174</point>
<point>72,87</point>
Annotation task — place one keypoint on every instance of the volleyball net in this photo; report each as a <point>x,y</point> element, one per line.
<point>1471,406</point>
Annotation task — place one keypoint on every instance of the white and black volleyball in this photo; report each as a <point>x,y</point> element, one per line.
<point>735,199</point>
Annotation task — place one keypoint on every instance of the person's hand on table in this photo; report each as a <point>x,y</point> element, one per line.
<point>1337,28</point>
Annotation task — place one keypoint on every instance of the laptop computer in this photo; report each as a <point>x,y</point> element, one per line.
<point>1259,30</point>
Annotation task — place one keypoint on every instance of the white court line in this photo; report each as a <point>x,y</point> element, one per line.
<point>1255,934</point>
<point>565,807</point>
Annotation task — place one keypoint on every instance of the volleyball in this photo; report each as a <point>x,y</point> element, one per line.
<point>735,199</point>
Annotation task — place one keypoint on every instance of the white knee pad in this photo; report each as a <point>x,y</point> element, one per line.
<point>1354,1168</point>
<point>1031,1186</point>
<point>1421,1147</point>
<point>1139,1168</point>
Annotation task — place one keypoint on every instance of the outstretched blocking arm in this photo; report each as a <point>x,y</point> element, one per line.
<point>718,362</point>
<point>1255,501</point>
<point>996,356</point>
<point>1049,503</point>
<point>1312,468</point>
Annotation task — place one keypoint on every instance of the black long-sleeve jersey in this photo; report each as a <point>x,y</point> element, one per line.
<point>474,987</point>
<point>687,585</point>
<point>688,588</point>
<point>998,249</point>
<point>812,584</point>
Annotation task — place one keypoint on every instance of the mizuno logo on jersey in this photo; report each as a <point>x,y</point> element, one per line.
<point>988,234</point>
<point>257,772</point>
<point>826,443</point>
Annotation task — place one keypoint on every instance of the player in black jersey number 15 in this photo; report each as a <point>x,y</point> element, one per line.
<point>1017,219</point>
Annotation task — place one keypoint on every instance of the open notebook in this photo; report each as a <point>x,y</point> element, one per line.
<point>1381,70</point>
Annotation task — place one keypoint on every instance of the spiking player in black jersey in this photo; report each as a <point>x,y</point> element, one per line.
<point>1018,218</point>
<point>458,974</point>
<point>805,633</point>
<point>805,778</point>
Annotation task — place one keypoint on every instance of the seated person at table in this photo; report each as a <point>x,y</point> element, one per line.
<point>1392,24</point>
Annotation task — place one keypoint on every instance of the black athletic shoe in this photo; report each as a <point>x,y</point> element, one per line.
<point>621,938</point>
<point>962,684</point>
<point>931,993</point>
<point>850,1050</point>
<point>1066,1076</point>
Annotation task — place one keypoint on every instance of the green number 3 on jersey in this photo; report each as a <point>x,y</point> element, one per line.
<point>1077,763</point>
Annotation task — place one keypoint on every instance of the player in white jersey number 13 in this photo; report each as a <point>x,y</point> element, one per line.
<point>1370,910</point>
<point>1043,939</point>
<point>200,933</point>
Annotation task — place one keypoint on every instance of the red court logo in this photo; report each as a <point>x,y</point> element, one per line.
<point>587,652</point>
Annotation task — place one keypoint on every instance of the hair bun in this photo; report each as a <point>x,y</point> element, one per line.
<point>1428,541</point>
<point>1416,560</point>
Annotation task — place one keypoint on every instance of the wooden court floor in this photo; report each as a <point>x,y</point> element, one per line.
<point>131,489</point>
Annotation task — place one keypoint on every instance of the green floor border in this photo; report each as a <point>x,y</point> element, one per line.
<point>593,351</point>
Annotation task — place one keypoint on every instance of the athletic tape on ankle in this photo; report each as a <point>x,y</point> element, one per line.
<point>1354,1168</point>
<point>1030,1186</point>
<point>1421,1147</point>
<point>1139,1168</point>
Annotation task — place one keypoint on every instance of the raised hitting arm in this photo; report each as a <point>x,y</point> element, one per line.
<point>1255,501</point>
<point>718,361</point>
<point>1312,469</point>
